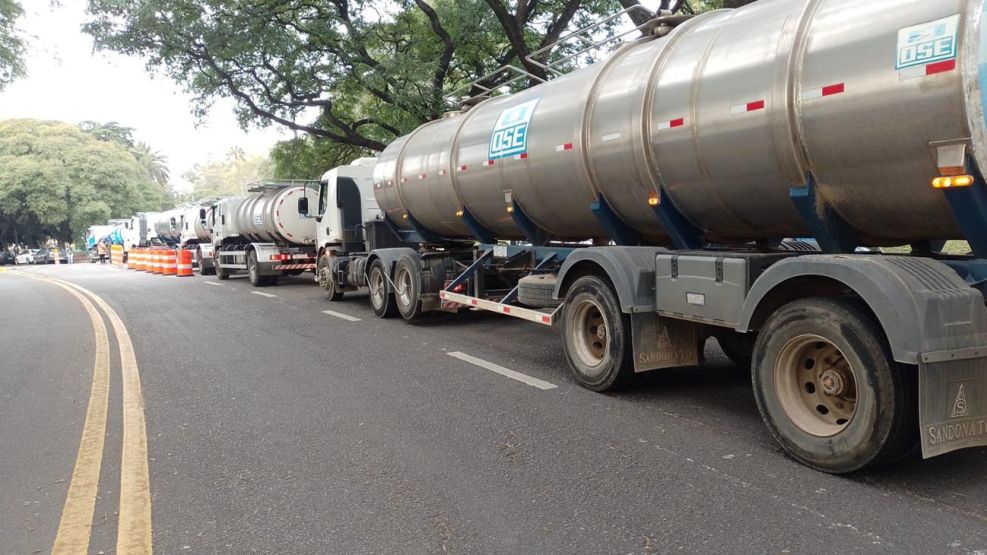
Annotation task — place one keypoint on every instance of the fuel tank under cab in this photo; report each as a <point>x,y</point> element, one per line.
<point>721,117</point>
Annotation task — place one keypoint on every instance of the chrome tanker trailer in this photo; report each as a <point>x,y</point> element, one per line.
<point>265,233</point>
<point>645,203</point>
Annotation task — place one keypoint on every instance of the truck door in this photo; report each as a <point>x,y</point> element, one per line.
<point>350,213</point>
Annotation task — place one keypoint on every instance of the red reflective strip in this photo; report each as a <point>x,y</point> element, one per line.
<point>677,122</point>
<point>462,168</point>
<point>507,310</point>
<point>838,88</point>
<point>546,319</point>
<point>421,176</point>
<point>522,156</point>
<point>756,105</point>
<point>488,163</point>
<point>940,67</point>
<point>442,172</point>
<point>473,302</point>
<point>404,180</point>
<point>567,146</point>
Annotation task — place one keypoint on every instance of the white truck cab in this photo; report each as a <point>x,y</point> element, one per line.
<point>346,200</point>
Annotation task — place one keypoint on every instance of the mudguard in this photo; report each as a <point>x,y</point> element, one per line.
<point>631,270</point>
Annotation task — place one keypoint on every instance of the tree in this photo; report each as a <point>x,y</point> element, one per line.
<point>228,176</point>
<point>355,72</point>
<point>110,131</point>
<point>153,162</point>
<point>11,44</point>
<point>55,181</point>
<point>308,157</point>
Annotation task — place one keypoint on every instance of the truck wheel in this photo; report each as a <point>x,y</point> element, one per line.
<point>253,271</point>
<point>408,287</point>
<point>381,300</point>
<point>828,389</point>
<point>537,291</point>
<point>327,281</point>
<point>596,336</point>
<point>200,261</point>
<point>222,274</point>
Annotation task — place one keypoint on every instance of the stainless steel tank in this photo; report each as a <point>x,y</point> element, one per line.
<point>168,227</point>
<point>720,117</point>
<point>272,216</point>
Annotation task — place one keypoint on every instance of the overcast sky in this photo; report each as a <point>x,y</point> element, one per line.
<point>69,82</point>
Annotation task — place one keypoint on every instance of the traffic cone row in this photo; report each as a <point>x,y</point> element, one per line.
<point>167,262</point>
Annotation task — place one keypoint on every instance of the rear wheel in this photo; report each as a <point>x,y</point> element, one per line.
<point>253,271</point>
<point>327,280</point>
<point>408,287</point>
<point>738,347</point>
<point>596,336</point>
<point>381,300</point>
<point>828,389</point>
<point>222,273</point>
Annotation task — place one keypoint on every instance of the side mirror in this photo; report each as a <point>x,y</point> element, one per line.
<point>303,206</point>
<point>174,224</point>
<point>202,214</point>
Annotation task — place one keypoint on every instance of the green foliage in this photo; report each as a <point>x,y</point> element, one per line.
<point>228,176</point>
<point>355,72</point>
<point>110,131</point>
<point>11,44</point>
<point>309,158</point>
<point>55,181</point>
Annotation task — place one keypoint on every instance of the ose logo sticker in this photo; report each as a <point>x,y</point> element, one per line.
<point>510,135</point>
<point>927,43</point>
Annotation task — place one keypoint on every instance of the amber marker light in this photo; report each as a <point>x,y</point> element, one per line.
<point>653,200</point>
<point>952,182</point>
<point>459,213</point>
<point>510,209</point>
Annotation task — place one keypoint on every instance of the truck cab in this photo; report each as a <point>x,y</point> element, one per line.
<point>346,201</point>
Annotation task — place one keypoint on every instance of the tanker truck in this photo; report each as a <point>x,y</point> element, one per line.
<point>259,234</point>
<point>642,205</point>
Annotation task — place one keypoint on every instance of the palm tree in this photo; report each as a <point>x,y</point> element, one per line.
<point>155,163</point>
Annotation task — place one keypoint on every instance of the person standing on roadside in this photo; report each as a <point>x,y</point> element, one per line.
<point>101,251</point>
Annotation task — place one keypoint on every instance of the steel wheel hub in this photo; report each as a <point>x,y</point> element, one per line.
<point>816,385</point>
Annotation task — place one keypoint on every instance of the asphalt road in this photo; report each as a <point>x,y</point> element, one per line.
<point>275,427</point>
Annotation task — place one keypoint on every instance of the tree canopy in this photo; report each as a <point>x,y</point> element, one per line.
<point>349,75</point>
<point>56,180</point>
<point>227,176</point>
<point>11,44</point>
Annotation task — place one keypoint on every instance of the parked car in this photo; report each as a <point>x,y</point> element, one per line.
<point>26,257</point>
<point>62,254</point>
<point>7,257</point>
<point>43,256</point>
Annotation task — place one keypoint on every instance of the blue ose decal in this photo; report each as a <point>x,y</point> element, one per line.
<point>510,135</point>
<point>927,43</point>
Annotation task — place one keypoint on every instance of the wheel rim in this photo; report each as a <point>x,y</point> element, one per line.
<point>377,290</point>
<point>324,274</point>
<point>592,335</point>
<point>403,287</point>
<point>252,267</point>
<point>816,385</point>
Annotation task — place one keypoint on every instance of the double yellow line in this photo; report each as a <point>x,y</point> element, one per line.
<point>75,526</point>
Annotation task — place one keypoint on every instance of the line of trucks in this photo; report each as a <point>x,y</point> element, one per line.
<point>730,175</point>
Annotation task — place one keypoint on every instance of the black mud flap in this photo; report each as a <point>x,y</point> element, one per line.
<point>952,403</point>
<point>663,342</point>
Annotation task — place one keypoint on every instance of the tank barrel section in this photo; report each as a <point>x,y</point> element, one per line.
<point>715,124</point>
<point>270,213</point>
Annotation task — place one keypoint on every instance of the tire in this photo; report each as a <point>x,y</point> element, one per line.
<point>408,287</point>
<point>738,347</point>
<point>253,271</point>
<point>326,279</point>
<point>810,411</point>
<point>199,261</point>
<point>537,291</point>
<point>599,360</point>
<point>381,300</point>
<point>222,274</point>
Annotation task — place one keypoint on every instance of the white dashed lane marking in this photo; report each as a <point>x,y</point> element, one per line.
<point>506,372</point>
<point>346,317</point>
<point>262,294</point>
<point>213,283</point>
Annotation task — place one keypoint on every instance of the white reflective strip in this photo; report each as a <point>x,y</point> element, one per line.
<point>664,125</point>
<point>913,72</point>
<point>346,317</point>
<point>506,372</point>
<point>213,283</point>
<point>611,137</point>
<point>739,109</point>
<point>812,93</point>
<point>262,294</point>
